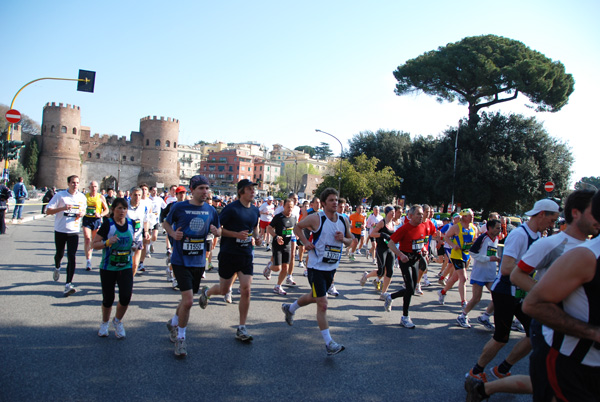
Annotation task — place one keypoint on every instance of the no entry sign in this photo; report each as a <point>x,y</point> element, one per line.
<point>549,186</point>
<point>13,116</point>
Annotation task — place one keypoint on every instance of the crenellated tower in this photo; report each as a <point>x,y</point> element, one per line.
<point>60,150</point>
<point>159,151</point>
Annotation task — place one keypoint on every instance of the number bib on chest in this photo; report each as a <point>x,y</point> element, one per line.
<point>418,244</point>
<point>332,254</point>
<point>245,242</point>
<point>119,258</point>
<point>193,246</point>
<point>492,251</point>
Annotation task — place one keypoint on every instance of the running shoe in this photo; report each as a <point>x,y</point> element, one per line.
<point>418,291</point>
<point>481,376</point>
<point>69,290</point>
<point>141,268</point>
<point>267,271</point>
<point>377,285</point>
<point>475,389</point>
<point>426,282</point>
<point>301,265</point>
<point>358,252</point>
<point>268,248</point>
<point>180,348</point>
<point>168,259</point>
<point>441,297</point>
<point>56,274</point>
<point>243,335</point>
<point>463,321</point>
<point>333,348</point>
<point>383,296</point>
<point>406,322</point>
<point>152,248</point>
<point>174,284</point>
<point>279,290</point>
<point>374,261</point>
<point>388,302</point>
<point>290,281</point>
<point>289,316</point>
<point>496,374</point>
<point>485,322</point>
<point>169,276</point>
<point>119,329</point>
<point>210,266</point>
<point>442,281</point>
<point>103,331</point>
<point>203,299</point>
<point>305,272</point>
<point>228,298</point>
<point>88,265</point>
<point>351,257</point>
<point>333,291</point>
<point>204,275</point>
<point>517,326</point>
<point>172,331</point>
<point>363,279</point>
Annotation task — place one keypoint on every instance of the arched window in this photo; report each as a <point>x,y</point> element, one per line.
<point>157,143</point>
<point>63,129</point>
<point>167,143</point>
<point>97,156</point>
<point>74,130</point>
<point>131,159</point>
<point>124,158</point>
<point>147,142</point>
<point>89,154</point>
<point>51,129</point>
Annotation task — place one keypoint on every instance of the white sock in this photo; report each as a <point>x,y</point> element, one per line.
<point>294,306</point>
<point>326,336</point>
<point>181,332</point>
<point>175,320</point>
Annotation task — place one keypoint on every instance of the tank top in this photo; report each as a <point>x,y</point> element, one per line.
<point>328,251</point>
<point>465,239</point>
<point>118,256</point>
<point>381,244</point>
<point>94,204</point>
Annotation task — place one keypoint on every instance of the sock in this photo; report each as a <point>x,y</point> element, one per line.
<point>241,327</point>
<point>89,260</point>
<point>477,369</point>
<point>504,367</point>
<point>116,320</point>
<point>181,332</point>
<point>326,336</point>
<point>175,320</point>
<point>485,316</point>
<point>289,276</point>
<point>294,306</point>
<point>443,291</point>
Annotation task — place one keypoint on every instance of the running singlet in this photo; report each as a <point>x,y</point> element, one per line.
<point>465,239</point>
<point>139,215</point>
<point>411,238</point>
<point>328,251</point>
<point>94,205</point>
<point>118,256</point>
<point>236,218</point>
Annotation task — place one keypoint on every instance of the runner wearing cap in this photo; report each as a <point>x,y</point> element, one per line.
<point>239,221</point>
<point>188,224</point>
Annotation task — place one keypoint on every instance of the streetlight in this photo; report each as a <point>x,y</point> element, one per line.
<point>85,83</point>
<point>455,155</point>
<point>341,152</point>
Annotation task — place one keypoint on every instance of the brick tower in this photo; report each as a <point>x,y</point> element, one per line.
<point>159,151</point>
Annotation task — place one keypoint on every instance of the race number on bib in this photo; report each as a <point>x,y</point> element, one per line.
<point>332,254</point>
<point>193,246</point>
<point>418,244</point>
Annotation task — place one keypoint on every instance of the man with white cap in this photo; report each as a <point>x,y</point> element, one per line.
<point>507,299</point>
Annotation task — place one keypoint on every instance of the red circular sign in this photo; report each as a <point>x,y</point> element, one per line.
<point>549,186</point>
<point>13,116</point>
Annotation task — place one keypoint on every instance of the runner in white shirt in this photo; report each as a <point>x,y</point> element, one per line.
<point>139,212</point>
<point>267,212</point>
<point>147,202</point>
<point>372,221</point>
<point>158,204</point>
<point>69,207</point>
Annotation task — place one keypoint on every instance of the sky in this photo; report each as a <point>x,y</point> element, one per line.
<point>274,71</point>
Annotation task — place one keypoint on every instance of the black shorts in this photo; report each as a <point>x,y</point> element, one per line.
<point>188,277</point>
<point>229,264</point>
<point>537,363</point>
<point>506,307</point>
<point>320,281</point>
<point>281,255</point>
<point>571,380</point>
<point>156,226</point>
<point>458,264</point>
<point>208,245</point>
<point>91,223</point>
<point>357,236</point>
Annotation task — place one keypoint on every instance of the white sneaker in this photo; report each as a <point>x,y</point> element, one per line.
<point>333,291</point>
<point>290,281</point>
<point>418,291</point>
<point>169,275</point>
<point>267,271</point>
<point>228,298</point>
<point>363,278</point>
<point>119,330</point>
<point>388,302</point>
<point>88,265</point>
<point>305,272</point>
<point>103,331</point>
<point>406,322</point>
<point>301,265</point>
<point>383,296</point>
<point>374,261</point>
<point>69,290</point>
<point>56,274</point>
<point>279,290</point>
<point>441,297</point>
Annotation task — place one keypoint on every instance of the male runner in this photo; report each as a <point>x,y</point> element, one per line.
<point>188,224</point>
<point>96,209</point>
<point>139,213</point>
<point>357,221</point>
<point>267,212</point>
<point>281,230</point>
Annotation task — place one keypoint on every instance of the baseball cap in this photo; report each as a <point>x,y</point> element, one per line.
<point>543,205</point>
<point>197,181</point>
<point>180,189</point>
<point>466,211</point>
<point>454,215</point>
<point>270,198</point>
<point>244,183</point>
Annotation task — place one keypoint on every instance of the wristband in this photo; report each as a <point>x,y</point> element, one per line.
<point>106,243</point>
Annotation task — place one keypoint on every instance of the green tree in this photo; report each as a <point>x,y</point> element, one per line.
<point>585,182</point>
<point>30,159</point>
<point>307,149</point>
<point>291,177</point>
<point>15,171</point>
<point>482,71</point>
<point>323,151</point>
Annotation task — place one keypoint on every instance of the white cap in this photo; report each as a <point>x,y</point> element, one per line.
<point>543,205</point>
<point>270,198</point>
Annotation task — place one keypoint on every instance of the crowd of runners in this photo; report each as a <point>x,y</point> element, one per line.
<point>542,283</point>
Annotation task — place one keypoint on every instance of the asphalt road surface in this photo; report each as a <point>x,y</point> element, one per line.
<point>49,348</point>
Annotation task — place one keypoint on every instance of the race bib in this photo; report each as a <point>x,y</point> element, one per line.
<point>137,224</point>
<point>358,225</point>
<point>245,242</point>
<point>72,212</point>
<point>287,232</point>
<point>332,254</point>
<point>418,244</point>
<point>491,251</point>
<point>193,246</point>
<point>119,258</point>
<point>90,211</point>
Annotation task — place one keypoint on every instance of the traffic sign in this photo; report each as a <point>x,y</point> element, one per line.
<point>13,116</point>
<point>549,186</point>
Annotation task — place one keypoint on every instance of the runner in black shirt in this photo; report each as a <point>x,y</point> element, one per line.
<point>281,229</point>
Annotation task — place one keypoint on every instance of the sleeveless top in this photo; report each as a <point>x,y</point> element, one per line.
<point>328,251</point>
<point>118,256</point>
<point>381,244</point>
<point>94,204</point>
<point>465,240</point>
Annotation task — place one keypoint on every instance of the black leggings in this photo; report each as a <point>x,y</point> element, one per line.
<point>385,262</point>
<point>409,273</point>
<point>72,242</point>
<point>122,278</point>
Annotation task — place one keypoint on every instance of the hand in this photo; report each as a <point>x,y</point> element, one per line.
<point>213,229</point>
<point>404,258</point>
<point>339,236</point>
<point>97,215</point>
<point>113,240</point>
<point>280,240</point>
<point>494,259</point>
<point>309,246</point>
<point>67,207</point>
<point>178,235</point>
<point>243,235</point>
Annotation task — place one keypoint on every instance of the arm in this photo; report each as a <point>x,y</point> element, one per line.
<point>392,246</point>
<point>105,209</point>
<point>375,233</point>
<point>448,237</point>
<point>346,238</point>
<point>570,271</point>
<point>521,279</point>
<point>311,223</point>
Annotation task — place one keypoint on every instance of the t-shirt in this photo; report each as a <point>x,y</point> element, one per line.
<point>412,239</point>
<point>237,218</point>
<point>357,221</point>
<point>482,250</point>
<point>194,221</point>
<point>284,227</point>
<point>372,221</point>
<point>267,212</point>
<point>138,215</point>
<point>68,221</point>
<point>158,204</point>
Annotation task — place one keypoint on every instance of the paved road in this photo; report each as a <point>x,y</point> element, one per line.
<point>49,349</point>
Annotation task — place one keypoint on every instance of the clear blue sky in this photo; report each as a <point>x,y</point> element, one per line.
<point>273,71</point>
